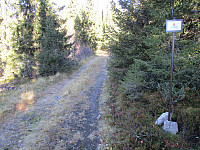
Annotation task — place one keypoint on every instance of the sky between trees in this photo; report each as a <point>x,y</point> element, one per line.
<point>98,4</point>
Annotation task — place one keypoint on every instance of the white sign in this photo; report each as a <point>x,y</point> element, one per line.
<point>175,25</point>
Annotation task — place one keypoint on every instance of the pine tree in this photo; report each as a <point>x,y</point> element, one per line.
<point>8,57</point>
<point>52,43</point>
<point>23,37</point>
<point>143,41</point>
<point>140,69</point>
<point>85,27</point>
<point>82,26</point>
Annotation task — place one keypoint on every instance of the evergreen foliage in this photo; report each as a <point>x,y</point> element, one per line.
<point>84,27</point>
<point>34,38</point>
<point>52,42</point>
<point>140,67</point>
<point>39,45</point>
<point>23,37</point>
<point>142,37</point>
<point>84,33</point>
<point>8,57</point>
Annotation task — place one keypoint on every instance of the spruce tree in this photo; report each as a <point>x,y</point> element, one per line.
<point>85,29</point>
<point>23,37</point>
<point>143,41</point>
<point>140,70</point>
<point>52,43</point>
<point>8,57</point>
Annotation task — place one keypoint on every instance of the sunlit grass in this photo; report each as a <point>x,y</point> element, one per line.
<point>106,130</point>
<point>27,101</point>
<point>72,96</point>
<point>101,53</point>
<point>84,79</point>
<point>46,128</point>
<point>25,97</point>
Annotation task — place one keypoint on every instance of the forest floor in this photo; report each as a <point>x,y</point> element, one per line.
<point>63,115</point>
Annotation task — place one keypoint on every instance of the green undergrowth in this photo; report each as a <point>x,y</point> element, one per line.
<point>134,119</point>
<point>139,70</point>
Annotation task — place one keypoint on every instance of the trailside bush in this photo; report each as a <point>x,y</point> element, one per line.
<point>135,128</point>
<point>187,71</point>
<point>53,62</point>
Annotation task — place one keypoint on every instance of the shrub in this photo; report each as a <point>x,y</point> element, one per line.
<point>136,129</point>
<point>53,62</point>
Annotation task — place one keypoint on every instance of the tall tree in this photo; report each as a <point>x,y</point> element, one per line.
<point>8,57</point>
<point>140,65</point>
<point>52,43</point>
<point>143,37</point>
<point>85,26</point>
<point>24,36</point>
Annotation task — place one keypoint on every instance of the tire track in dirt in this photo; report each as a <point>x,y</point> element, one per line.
<point>57,120</point>
<point>90,126</point>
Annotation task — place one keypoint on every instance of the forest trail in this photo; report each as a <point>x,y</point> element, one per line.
<point>64,116</point>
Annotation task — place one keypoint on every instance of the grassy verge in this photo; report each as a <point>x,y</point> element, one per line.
<point>106,129</point>
<point>11,100</point>
<point>45,124</point>
<point>131,122</point>
<point>55,128</point>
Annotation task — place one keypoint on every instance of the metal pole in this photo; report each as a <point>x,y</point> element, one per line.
<point>172,8</point>
<point>171,81</point>
<point>172,68</point>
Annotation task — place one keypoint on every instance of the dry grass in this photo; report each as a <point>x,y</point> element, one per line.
<point>27,101</point>
<point>10,101</point>
<point>71,97</point>
<point>102,53</point>
<point>51,112</point>
<point>86,78</point>
<point>24,98</point>
<point>106,131</point>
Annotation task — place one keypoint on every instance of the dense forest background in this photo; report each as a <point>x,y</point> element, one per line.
<point>39,38</point>
<point>139,70</point>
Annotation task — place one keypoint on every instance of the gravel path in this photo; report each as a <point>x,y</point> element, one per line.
<point>65,117</point>
<point>90,126</point>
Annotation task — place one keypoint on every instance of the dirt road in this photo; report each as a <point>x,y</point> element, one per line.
<point>64,115</point>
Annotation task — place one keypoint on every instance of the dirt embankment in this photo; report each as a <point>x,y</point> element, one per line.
<point>64,115</point>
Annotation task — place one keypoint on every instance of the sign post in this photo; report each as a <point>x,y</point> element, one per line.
<point>175,25</point>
